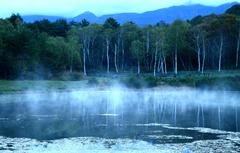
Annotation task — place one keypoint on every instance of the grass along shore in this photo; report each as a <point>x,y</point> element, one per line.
<point>225,80</point>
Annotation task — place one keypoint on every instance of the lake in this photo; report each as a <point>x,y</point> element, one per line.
<point>119,119</point>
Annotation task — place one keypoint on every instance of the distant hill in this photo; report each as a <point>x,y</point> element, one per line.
<point>32,18</point>
<point>86,15</point>
<point>168,15</point>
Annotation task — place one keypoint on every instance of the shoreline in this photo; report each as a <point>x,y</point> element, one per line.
<point>229,81</point>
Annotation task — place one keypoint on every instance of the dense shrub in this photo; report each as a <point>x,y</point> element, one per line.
<point>74,76</point>
<point>132,82</point>
<point>93,81</point>
<point>151,81</point>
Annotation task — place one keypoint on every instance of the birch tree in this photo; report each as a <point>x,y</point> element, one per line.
<point>110,28</point>
<point>73,47</point>
<point>177,39</point>
<point>238,42</point>
<point>84,38</point>
<point>138,53</point>
<point>159,38</point>
<point>130,33</point>
<point>220,30</point>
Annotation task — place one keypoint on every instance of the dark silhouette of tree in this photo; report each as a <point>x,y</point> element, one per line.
<point>84,23</point>
<point>16,20</point>
<point>235,10</point>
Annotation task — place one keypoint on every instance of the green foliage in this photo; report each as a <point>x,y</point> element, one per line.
<point>93,81</point>
<point>45,49</point>
<point>16,20</point>
<point>196,21</point>
<point>111,23</point>
<point>137,50</point>
<point>67,76</point>
<point>132,82</point>
<point>84,23</point>
<point>177,35</point>
<point>57,28</point>
<point>151,81</point>
<point>235,10</point>
<point>140,82</point>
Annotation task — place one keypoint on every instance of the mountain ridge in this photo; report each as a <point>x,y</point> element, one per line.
<point>184,12</point>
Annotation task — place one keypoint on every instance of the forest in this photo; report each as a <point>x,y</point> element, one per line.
<point>46,49</point>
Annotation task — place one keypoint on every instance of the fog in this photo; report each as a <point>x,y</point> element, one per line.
<point>117,106</point>
<point>116,119</point>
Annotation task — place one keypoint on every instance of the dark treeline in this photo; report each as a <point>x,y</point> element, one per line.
<point>47,49</point>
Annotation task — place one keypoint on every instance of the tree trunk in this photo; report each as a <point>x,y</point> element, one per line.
<point>88,51</point>
<point>103,55</point>
<point>71,69</point>
<point>203,54</point>
<point>148,46</point>
<point>162,68</point>
<point>182,61</point>
<point>175,61</point>
<point>198,54</point>
<point>107,41</point>
<point>71,61</point>
<point>151,61</point>
<point>139,69</point>
<point>155,61</point>
<point>237,51</point>
<point>92,50</point>
<point>165,65</point>
<point>220,54</point>
<point>159,64</point>
<point>123,56</point>
<point>84,62</point>
<point>115,57</point>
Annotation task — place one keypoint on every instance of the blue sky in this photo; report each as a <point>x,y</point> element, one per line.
<point>70,8</point>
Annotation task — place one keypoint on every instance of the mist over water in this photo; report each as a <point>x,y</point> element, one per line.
<point>122,106</point>
<point>157,115</point>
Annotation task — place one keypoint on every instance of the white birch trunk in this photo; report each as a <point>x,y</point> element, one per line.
<point>148,46</point>
<point>71,61</point>
<point>123,56</point>
<point>220,54</point>
<point>162,68</point>
<point>175,61</point>
<point>203,54</point>
<point>159,64</point>
<point>155,61</point>
<point>139,68</point>
<point>115,58</point>
<point>165,65</point>
<point>237,51</point>
<point>107,41</point>
<point>88,50</point>
<point>198,54</point>
<point>84,62</point>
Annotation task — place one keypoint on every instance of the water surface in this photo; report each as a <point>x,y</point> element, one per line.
<point>120,119</point>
